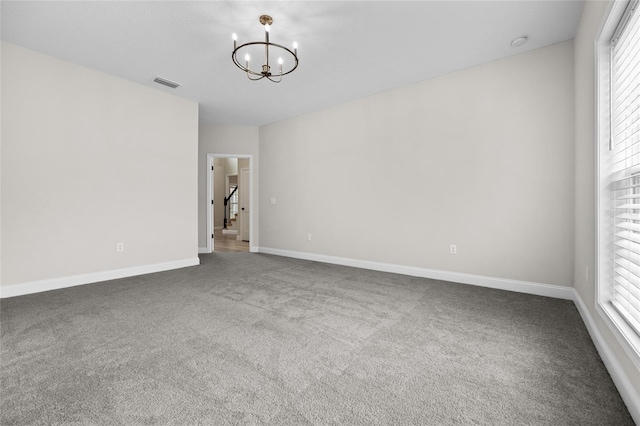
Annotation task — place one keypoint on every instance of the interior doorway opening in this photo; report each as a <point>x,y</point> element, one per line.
<point>229,213</point>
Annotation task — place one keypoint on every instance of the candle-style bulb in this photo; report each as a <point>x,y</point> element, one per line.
<point>267,27</point>
<point>234,36</point>
<point>280,61</point>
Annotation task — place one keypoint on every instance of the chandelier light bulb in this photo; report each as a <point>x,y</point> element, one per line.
<point>280,61</point>
<point>247,57</point>
<point>267,27</point>
<point>234,36</point>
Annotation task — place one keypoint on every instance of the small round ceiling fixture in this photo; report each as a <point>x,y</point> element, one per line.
<point>519,41</point>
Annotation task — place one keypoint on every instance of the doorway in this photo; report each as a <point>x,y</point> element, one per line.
<point>229,212</point>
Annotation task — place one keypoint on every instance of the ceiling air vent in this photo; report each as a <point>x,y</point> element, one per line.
<point>166,82</point>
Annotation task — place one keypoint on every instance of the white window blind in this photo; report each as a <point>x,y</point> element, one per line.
<point>624,165</point>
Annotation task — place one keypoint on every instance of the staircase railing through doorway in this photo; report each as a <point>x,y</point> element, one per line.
<point>226,203</point>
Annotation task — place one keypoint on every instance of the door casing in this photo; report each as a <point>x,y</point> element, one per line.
<point>210,210</point>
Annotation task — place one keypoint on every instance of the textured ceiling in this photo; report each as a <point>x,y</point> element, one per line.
<point>348,49</point>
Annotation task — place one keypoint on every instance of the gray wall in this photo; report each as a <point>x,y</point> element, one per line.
<point>89,160</point>
<point>481,158</point>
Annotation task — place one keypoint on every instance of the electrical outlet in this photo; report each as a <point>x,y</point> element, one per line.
<point>308,237</point>
<point>453,249</point>
<point>119,247</point>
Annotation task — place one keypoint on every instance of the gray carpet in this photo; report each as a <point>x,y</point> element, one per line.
<point>257,339</point>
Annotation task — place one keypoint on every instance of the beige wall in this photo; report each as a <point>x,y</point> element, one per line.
<point>0,167</point>
<point>231,166</point>
<point>486,159</point>
<point>225,140</point>
<point>585,148</point>
<point>243,163</point>
<point>89,160</point>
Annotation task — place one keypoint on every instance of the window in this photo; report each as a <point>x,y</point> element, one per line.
<point>233,202</point>
<point>619,174</point>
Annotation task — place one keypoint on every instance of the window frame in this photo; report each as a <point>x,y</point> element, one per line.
<point>624,333</point>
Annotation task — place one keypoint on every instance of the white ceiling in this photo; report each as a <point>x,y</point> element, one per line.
<point>347,49</point>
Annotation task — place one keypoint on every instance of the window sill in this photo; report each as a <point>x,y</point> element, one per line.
<point>623,332</point>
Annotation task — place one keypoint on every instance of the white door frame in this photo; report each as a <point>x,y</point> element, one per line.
<point>210,158</point>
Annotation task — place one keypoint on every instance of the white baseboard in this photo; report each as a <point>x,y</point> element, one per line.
<point>622,382</point>
<point>555,291</point>
<point>203,250</point>
<point>74,280</point>
<point>230,231</point>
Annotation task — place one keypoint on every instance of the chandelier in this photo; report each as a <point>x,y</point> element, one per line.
<point>270,50</point>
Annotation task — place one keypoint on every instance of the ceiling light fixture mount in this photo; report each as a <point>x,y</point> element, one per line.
<point>269,49</point>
